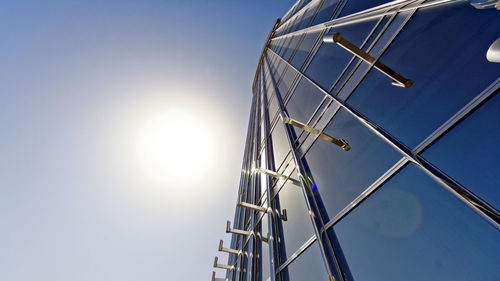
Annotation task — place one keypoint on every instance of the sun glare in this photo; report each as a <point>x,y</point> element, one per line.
<point>175,147</point>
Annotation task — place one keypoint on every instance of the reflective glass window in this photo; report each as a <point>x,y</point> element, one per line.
<point>352,7</point>
<point>304,101</point>
<point>286,82</point>
<point>265,258</point>
<point>304,49</point>
<point>445,56</point>
<point>413,229</point>
<point>308,266</point>
<point>331,59</point>
<point>298,228</point>
<point>325,12</point>
<point>291,48</point>
<point>280,143</point>
<point>469,153</point>
<point>340,175</point>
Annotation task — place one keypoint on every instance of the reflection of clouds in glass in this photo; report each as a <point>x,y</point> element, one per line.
<point>395,214</point>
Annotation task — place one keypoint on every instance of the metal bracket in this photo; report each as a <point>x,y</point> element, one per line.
<point>227,250</point>
<point>341,142</point>
<point>222,266</point>
<point>485,4</point>
<point>236,231</point>
<point>284,215</point>
<point>217,279</point>
<point>252,207</point>
<point>397,80</point>
<point>276,175</point>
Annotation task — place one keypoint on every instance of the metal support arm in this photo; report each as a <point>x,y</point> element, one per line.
<point>236,231</point>
<point>341,142</point>
<point>227,250</point>
<point>276,175</point>
<point>222,266</point>
<point>217,279</point>
<point>397,80</point>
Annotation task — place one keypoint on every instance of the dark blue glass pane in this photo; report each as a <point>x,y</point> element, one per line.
<point>304,49</point>
<point>298,228</point>
<point>445,56</point>
<point>414,229</point>
<point>325,12</point>
<point>469,153</point>
<point>308,266</point>
<point>356,6</point>
<point>341,175</point>
<point>331,59</point>
<point>305,99</point>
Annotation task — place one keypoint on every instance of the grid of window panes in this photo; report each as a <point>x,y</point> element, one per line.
<point>417,195</point>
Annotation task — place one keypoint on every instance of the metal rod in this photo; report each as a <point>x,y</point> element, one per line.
<point>230,251</point>
<point>341,142</point>
<point>236,231</point>
<point>222,266</point>
<point>398,80</point>
<point>278,176</point>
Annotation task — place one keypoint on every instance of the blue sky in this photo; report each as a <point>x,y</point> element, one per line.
<point>79,82</point>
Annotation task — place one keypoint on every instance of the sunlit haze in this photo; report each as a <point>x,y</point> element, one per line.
<point>122,130</point>
<point>176,146</point>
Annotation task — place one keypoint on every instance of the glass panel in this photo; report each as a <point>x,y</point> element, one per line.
<point>325,12</point>
<point>266,264</point>
<point>445,57</point>
<point>280,143</point>
<point>356,6</point>
<point>304,101</point>
<point>308,266</point>
<point>469,153</point>
<point>340,175</point>
<point>298,228</point>
<point>307,17</point>
<point>413,229</point>
<point>304,49</point>
<point>291,47</point>
<point>331,59</point>
<point>286,82</point>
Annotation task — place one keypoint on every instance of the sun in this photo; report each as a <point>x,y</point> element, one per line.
<point>175,147</point>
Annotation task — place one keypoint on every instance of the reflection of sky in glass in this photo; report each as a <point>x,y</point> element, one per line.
<point>418,225</point>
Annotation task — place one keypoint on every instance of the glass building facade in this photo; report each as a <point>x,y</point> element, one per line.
<point>373,146</point>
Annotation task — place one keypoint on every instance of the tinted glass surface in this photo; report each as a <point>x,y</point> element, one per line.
<point>304,49</point>
<point>305,99</point>
<point>413,229</point>
<point>445,57</point>
<point>308,266</point>
<point>356,6</point>
<point>331,59</point>
<point>286,81</point>
<point>325,12</point>
<point>341,175</point>
<point>469,153</point>
<point>298,228</point>
<point>280,143</point>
